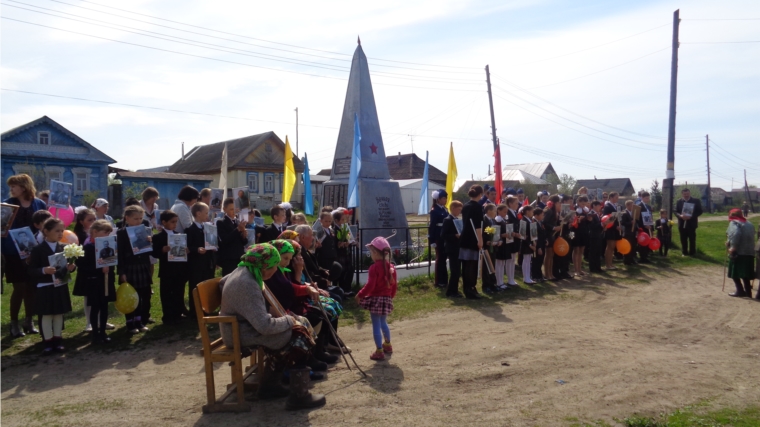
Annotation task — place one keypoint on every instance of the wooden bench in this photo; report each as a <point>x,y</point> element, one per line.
<point>208,299</point>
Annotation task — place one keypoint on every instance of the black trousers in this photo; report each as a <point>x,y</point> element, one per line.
<point>228,265</point>
<point>441,273</point>
<point>664,245</point>
<point>630,257</point>
<point>140,316</point>
<point>98,316</point>
<point>644,252</point>
<point>197,276</point>
<point>469,277</point>
<point>172,294</point>
<point>535,266</point>
<point>455,266</point>
<point>561,266</point>
<point>595,253</point>
<point>688,241</point>
<point>347,272</point>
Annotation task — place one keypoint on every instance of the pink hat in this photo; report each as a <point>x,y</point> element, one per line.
<point>379,243</point>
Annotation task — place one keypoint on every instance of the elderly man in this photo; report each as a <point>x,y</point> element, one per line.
<point>322,277</point>
<point>688,210</point>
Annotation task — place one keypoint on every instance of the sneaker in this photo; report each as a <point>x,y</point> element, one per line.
<point>88,328</point>
<point>387,348</point>
<point>134,331</point>
<point>110,327</point>
<point>377,355</point>
<point>144,328</point>
<point>503,287</point>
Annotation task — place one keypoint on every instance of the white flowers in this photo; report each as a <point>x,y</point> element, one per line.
<point>72,252</point>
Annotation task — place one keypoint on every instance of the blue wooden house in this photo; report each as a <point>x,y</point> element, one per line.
<point>167,184</point>
<point>45,150</point>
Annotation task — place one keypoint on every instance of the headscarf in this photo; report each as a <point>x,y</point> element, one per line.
<point>296,247</point>
<point>288,234</point>
<point>736,215</point>
<point>284,247</point>
<point>260,257</point>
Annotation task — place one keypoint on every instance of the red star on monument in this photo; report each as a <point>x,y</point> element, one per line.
<point>373,147</point>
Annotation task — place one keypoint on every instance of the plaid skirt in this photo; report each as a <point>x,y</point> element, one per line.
<point>138,275</point>
<point>382,306</point>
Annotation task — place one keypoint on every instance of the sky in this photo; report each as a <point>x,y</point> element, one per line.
<point>584,85</point>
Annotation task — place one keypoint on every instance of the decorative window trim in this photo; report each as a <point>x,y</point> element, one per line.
<point>28,169</point>
<point>269,175</point>
<point>42,133</point>
<point>248,182</point>
<point>53,170</point>
<point>88,174</point>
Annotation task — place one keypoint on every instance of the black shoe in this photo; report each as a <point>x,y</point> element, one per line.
<point>473,296</point>
<point>300,397</point>
<point>349,294</point>
<point>316,365</point>
<point>738,294</point>
<point>645,261</point>
<point>326,357</point>
<point>457,295</point>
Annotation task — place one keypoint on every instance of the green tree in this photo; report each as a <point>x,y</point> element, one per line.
<point>695,193</point>
<point>564,183</point>
<point>134,190</point>
<point>656,194</point>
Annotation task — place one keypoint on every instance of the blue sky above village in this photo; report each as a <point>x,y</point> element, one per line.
<point>581,84</point>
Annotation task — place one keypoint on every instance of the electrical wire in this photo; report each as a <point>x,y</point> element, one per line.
<point>237,35</point>
<point>597,46</point>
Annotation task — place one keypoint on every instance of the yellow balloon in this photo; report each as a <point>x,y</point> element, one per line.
<point>126,298</point>
<point>623,246</point>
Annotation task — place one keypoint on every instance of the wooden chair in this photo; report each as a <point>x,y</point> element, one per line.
<point>208,299</point>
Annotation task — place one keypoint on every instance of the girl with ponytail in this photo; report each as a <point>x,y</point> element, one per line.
<point>377,295</point>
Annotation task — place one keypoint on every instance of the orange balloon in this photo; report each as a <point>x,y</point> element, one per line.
<point>69,237</point>
<point>561,247</point>
<point>623,246</point>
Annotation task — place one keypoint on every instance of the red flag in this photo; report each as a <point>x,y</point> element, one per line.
<point>497,168</point>
<point>526,202</point>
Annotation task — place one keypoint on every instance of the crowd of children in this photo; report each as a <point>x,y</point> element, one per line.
<point>542,238</point>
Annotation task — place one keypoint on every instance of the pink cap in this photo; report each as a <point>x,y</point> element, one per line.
<point>379,243</point>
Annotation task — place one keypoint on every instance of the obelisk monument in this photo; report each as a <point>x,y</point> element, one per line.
<point>380,205</point>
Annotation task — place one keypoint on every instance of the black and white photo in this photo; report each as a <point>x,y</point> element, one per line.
<point>60,194</point>
<point>139,239</point>
<point>211,237</point>
<point>178,245</point>
<point>24,240</point>
<point>105,251</point>
<point>8,214</point>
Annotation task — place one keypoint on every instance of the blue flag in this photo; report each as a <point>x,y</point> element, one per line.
<point>424,198</point>
<point>308,200</point>
<point>356,167</point>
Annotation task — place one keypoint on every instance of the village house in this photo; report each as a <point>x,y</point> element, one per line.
<point>256,162</point>
<point>46,151</point>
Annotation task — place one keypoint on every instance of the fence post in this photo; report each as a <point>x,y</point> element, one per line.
<point>430,255</point>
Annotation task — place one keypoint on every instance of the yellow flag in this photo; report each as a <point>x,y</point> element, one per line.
<point>451,176</point>
<point>289,178</point>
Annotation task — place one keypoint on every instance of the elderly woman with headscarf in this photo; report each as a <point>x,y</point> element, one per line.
<point>295,297</point>
<point>285,339</point>
<point>741,256</point>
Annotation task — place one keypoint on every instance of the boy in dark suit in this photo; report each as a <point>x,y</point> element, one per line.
<point>595,238</point>
<point>688,223</point>
<point>450,238</point>
<point>172,275</point>
<point>538,262</point>
<point>664,232</point>
<point>232,238</point>
<point>646,211</point>
<point>278,225</point>
<point>629,232</point>
<point>201,262</point>
<point>437,214</point>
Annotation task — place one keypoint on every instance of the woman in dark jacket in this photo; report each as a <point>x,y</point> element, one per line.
<point>470,242</point>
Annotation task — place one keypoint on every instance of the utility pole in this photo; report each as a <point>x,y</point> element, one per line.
<point>746,191</point>
<point>490,104</point>
<point>667,184</point>
<point>709,188</point>
<point>296,132</point>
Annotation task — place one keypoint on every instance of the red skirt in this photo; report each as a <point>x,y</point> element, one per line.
<point>382,306</point>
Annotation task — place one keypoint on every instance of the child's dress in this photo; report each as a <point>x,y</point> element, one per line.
<point>376,296</point>
<point>51,299</point>
<point>93,278</point>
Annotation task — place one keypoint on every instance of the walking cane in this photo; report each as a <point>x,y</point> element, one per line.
<point>334,333</point>
<point>725,262</point>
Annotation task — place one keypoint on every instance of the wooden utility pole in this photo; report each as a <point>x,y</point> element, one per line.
<point>746,191</point>
<point>296,132</point>
<point>667,184</point>
<point>490,104</point>
<point>709,188</point>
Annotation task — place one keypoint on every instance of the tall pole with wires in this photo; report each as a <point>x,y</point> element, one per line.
<point>296,131</point>
<point>667,187</point>
<point>490,104</point>
<point>709,188</point>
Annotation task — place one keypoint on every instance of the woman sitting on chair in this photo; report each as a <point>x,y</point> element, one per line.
<point>286,340</point>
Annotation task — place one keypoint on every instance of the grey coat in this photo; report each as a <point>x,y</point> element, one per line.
<point>741,237</point>
<point>242,298</point>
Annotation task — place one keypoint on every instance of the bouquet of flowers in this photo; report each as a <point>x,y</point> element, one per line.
<point>489,233</point>
<point>343,233</point>
<point>72,251</point>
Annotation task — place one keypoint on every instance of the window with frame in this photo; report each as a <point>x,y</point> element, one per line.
<point>43,138</point>
<point>269,183</point>
<point>53,172</point>
<point>253,182</point>
<point>81,180</point>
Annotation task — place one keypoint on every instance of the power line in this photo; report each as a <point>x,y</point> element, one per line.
<point>224,60</point>
<point>594,47</point>
<point>721,19</point>
<point>239,35</point>
<point>162,36</point>
<point>737,42</point>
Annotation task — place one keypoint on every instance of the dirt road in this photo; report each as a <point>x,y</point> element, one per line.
<point>618,348</point>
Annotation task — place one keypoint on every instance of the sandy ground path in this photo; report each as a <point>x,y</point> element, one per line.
<point>619,348</point>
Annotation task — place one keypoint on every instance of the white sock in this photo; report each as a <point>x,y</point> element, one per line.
<point>511,270</point>
<point>57,325</point>
<point>500,267</point>
<point>47,326</point>
<point>526,268</point>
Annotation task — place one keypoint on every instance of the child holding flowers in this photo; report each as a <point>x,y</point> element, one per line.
<point>664,232</point>
<point>52,296</point>
<point>489,230</point>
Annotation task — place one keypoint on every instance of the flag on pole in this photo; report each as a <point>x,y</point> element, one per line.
<point>424,197</point>
<point>497,168</point>
<point>223,171</point>
<point>289,178</point>
<point>308,200</point>
<point>451,176</point>
<point>356,167</point>
<point>526,202</point>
